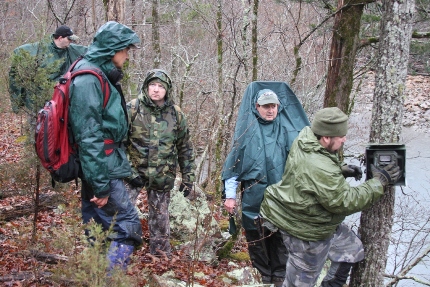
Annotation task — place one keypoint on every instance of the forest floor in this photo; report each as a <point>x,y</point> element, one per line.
<point>20,268</point>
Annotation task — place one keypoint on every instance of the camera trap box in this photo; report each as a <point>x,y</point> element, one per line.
<point>381,155</point>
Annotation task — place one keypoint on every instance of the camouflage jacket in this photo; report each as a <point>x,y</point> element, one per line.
<point>158,142</point>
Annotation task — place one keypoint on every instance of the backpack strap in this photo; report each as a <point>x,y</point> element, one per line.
<point>104,82</point>
<point>134,109</point>
<point>178,114</point>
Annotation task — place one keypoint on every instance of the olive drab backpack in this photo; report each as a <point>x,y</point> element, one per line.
<point>54,141</point>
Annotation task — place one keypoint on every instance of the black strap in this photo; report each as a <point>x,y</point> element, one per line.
<point>113,145</point>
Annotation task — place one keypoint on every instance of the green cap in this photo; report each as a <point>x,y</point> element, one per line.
<point>330,122</point>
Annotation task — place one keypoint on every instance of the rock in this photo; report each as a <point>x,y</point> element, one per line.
<point>193,226</point>
<point>246,276</point>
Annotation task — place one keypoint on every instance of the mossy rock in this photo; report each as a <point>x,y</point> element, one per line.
<point>240,256</point>
<point>223,224</point>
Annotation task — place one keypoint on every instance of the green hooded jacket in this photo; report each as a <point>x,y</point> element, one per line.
<point>51,54</point>
<point>159,142</point>
<point>91,123</point>
<point>313,197</point>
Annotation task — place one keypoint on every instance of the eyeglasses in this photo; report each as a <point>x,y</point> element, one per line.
<point>160,74</point>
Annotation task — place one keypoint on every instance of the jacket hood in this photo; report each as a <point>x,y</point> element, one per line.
<point>109,39</point>
<point>260,148</point>
<point>143,97</point>
<point>309,143</point>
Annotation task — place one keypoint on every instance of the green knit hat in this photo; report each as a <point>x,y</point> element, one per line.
<point>330,122</point>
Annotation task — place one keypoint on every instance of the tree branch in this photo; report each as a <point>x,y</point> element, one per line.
<point>420,35</point>
<point>372,40</point>
<point>402,274</point>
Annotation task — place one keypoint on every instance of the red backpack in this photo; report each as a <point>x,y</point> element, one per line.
<point>54,141</point>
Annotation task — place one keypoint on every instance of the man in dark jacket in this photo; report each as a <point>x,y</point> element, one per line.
<point>60,52</point>
<point>104,198</point>
<point>311,201</point>
<point>159,143</point>
<point>266,126</point>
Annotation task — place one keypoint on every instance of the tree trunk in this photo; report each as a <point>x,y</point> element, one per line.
<point>393,54</point>
<point>46,201</point>
<point>343,50</point>
<point>156,34</point>
<point>115,10</point>
<point>220,143</point>
<point>254,40</point>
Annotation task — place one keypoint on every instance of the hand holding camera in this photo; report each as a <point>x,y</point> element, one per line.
<point>387,175</point>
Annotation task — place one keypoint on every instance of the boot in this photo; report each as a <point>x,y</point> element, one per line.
<point>340,276</point>
<point>119,255</point>
<point>277,281</point>
<point>266,279</point>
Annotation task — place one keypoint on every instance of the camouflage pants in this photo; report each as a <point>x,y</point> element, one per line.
<point>306,258</point>
<point>158,222</point>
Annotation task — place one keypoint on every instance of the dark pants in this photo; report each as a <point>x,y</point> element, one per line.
<point>119,210</point>
<point>268,255</point>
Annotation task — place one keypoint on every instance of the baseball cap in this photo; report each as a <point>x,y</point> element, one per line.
<point>65,31</point>
<point>267,96</point>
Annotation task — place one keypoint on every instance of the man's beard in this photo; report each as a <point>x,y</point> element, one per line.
<point>330,149</point>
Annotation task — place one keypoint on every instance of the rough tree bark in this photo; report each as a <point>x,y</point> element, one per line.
<point>343,50</point>
<point>156,34</point>
<point>221,133</point>
<point>393,54</point>
<point>115,10</point>
<point>254,40</point>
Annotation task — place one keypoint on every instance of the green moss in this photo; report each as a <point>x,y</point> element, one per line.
<point>175,242</point>
<point>224,252</point>
<point>240,256</point>
<point>223,224</point>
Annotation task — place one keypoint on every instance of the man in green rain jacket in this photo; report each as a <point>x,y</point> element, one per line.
<point>311,201</point>
<point>98,133</point>
<point>60,49</point>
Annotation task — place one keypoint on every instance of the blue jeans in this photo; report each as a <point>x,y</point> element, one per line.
<point>127,228</point>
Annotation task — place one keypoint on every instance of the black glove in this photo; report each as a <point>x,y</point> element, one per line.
<point>352,171</point>
<point>388,175</point>
<point>186,188</point>
<point>137,182</point>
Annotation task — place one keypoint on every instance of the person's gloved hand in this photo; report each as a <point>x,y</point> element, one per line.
<point>137,182</point>
<point>388,175</point>
<point>186,188</point>
<point>352,171</point>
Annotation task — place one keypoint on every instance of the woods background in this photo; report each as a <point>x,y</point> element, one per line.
<point>213,49</point>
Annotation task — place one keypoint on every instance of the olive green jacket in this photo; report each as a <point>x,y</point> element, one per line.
<point>51,53</point>
<point>313,197</point>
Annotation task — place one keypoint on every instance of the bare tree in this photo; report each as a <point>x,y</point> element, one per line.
<point>115,10</point>
<point>343,50</point>
<point>254,40</point>
<point>376,223</point>
<point>156,34</point>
